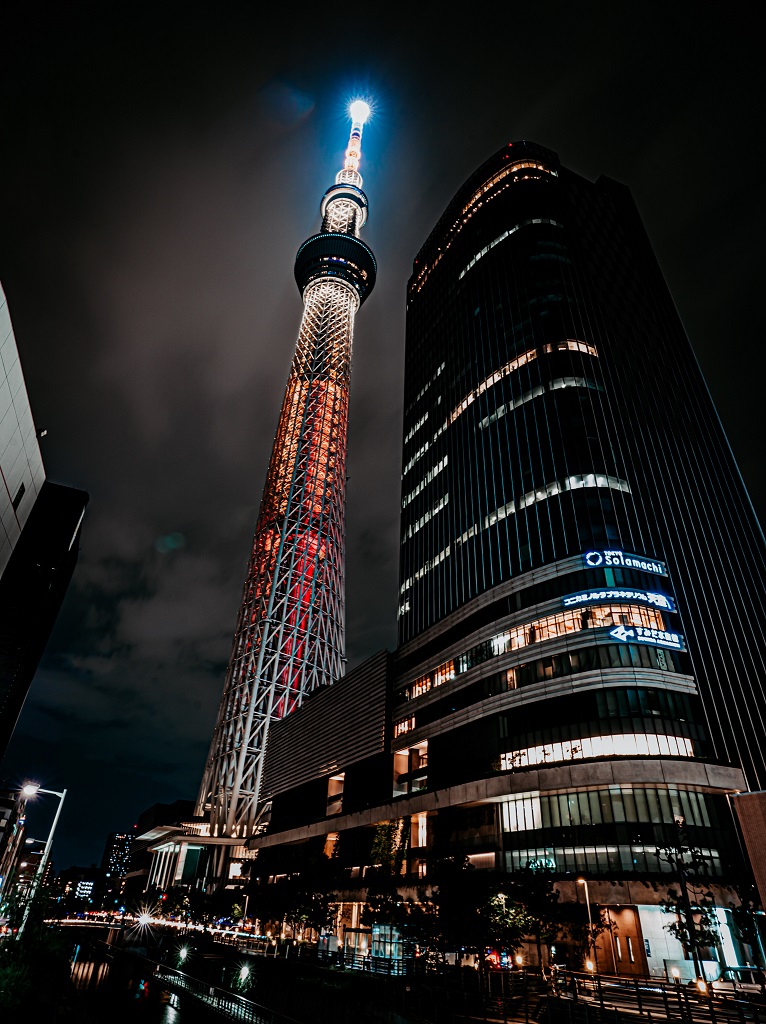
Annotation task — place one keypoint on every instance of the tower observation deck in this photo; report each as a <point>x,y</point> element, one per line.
<point>289,638</point>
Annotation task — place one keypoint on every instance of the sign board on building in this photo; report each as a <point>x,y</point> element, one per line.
<point>619,594</point>
<point>623,560</point>
<point>643,635</point>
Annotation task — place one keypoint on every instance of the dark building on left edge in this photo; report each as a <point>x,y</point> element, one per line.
<point>39,536</point>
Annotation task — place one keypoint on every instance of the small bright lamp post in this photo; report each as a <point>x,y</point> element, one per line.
<point>592,944</point>
<point>30,791</point>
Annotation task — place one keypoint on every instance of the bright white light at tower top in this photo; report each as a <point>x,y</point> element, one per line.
<point>359,111</point>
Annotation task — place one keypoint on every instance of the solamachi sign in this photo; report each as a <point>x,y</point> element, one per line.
<point>623,560</point>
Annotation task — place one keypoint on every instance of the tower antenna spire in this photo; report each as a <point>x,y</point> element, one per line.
<point>359,112</point>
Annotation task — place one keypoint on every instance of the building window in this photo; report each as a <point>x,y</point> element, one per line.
<point>502,238</point>
<point>615,745</point>
<point>600,860</point>
<point>19,496</point>
<point>404,725</point>
<point>411,769</point>
<point>335,793</point>
<point>546,628</point>
<point>418,831</point>
<point>615,804</point>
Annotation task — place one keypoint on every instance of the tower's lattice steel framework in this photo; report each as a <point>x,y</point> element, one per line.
<point>289,637</point>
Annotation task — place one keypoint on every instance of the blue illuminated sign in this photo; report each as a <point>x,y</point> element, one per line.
<point>642,635</point>
<point>623,560</point>
<point>633,596</point>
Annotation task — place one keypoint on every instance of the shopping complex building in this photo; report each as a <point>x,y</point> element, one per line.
<point>581,592</point>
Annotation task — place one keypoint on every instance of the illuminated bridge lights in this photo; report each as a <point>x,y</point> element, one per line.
<point>289,637</point>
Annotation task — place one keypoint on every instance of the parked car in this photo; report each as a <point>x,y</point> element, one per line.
<point>739,981</point>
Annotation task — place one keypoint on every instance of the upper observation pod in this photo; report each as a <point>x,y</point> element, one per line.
<point>336,252</point>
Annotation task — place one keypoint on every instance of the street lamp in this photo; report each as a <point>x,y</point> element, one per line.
<point>584,881</point>
<point>31,790</point>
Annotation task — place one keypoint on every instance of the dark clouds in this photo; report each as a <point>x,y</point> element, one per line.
<point>160,166</point>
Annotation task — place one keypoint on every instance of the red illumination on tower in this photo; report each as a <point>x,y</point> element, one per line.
<point>289,637</point>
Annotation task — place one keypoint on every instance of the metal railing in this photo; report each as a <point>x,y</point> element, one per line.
<point>572,995</point>
<point>395,966</point>
<point>233,1005</point>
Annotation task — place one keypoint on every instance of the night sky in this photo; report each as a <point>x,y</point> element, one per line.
<point>159,167</point>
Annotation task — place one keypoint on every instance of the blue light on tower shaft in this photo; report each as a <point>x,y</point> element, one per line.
<point>289,637</point>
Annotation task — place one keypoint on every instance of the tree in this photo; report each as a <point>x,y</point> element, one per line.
<point>303,900</point>
<point>745,915</point>
<point>475,910</point>
<point>533,888</point>
<point>692,903</point>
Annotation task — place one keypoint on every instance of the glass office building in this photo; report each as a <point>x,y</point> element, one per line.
<point>581,598</point>
<point>581,587</point>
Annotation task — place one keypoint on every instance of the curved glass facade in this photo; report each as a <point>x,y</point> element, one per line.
<point>553,406</point>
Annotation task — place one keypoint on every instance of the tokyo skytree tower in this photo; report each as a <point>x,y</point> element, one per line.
<point>289,637</point>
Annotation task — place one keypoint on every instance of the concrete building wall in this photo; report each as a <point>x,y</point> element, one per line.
<point>21,465</point>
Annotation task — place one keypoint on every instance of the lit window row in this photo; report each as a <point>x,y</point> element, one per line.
<point>546,628</point>
<point>424,569</point>
<point>415,458</point>
<point>569,483</point>
<point>569,344</point>
<point>404,725</point>
<point>477,200</point>
<point>605,806</point>
<point>346,263</point>
<point>502,238</point>
<point>511,168</point>
<point>488,382</point>
<point>419,395</point>
<point>425,481</point>
<point>626,744</point>
<point>605,860</point>
<point>417,427</point>
<point>554,385</point>
<point>413,529</point>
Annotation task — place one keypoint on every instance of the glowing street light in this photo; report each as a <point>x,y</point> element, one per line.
<point>589,964</point>
<point>30,791</point>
